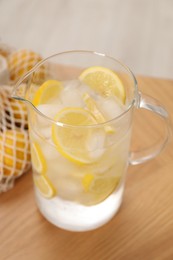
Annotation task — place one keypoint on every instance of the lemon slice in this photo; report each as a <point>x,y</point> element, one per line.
<point>38,159</point>
<point>44,186</point>
<point>87,181</point>
<point>104,81</point>
<point>100,188</point>
<point>49,90</point>
<point>104,186</point>
<point>72,142</point>
<point>92,107</point>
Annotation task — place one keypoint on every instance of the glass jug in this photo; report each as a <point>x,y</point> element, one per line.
<point>79,170</point>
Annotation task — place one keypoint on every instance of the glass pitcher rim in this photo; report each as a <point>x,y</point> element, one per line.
<point>37,65</point>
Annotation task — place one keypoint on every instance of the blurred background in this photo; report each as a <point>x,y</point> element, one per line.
<point>138,32</point>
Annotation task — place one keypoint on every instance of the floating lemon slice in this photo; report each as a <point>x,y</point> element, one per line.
<point>38,159</point>
<point>70,141</point>
<point>104,186</point>
<point>100,188</point>
<point>87,181</point>
<point>104,81</point>
<point>44,186</point>
<point>49,90</point>
<point>92,107</point>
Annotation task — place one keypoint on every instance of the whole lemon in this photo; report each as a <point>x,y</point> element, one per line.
<point>14,152</point>
<point>21,61</point>
<point>18,111</point>
<point>13,112</point>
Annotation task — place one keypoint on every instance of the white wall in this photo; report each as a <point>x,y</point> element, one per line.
<point>139,32</point>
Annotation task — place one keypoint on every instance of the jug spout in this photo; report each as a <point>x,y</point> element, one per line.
<point>21,88</point>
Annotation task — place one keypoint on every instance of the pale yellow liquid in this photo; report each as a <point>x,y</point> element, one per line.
<point>72,181</point>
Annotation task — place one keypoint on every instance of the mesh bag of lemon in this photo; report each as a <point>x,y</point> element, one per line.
<point>14,140</point>
<point>14,137</point>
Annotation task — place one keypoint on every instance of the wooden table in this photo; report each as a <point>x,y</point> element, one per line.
<point>142,229</point>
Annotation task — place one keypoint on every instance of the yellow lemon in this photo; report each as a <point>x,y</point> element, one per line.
<point>5,50</point>
<point>47,91</point>
<point>45,186</point>
<point>71,142</point>
<point>19,112</point>
<point>15,111</point>
<point>21,61</point>
<point>104,81</point>
<point>87,181</point>
<point>92,107</point>
<point>14,152</point>
<point>99,188</point>
<point>38,159</point>
<point>104,186</point>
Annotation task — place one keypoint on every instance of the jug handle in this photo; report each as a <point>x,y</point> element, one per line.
<point>151,104</point>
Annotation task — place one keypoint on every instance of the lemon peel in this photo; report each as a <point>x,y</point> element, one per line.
<point>71,142</point>
<point>104,81</point>
<point>92,107</point>
<point>47,91</point>
<point>38,159</point>
<point>44,186</point>
<point>99,188</point>
<point>87,181</point>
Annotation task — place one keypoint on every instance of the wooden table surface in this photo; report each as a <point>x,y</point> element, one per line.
<point>142,229</point>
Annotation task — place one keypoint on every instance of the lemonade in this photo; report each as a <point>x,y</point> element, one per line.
<point>80,154</point>
<point>80,115</point>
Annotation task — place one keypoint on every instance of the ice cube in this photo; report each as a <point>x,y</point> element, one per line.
<point>70,96</point>
<point>86,89</point>
<point>58,165</point>
<point>68,188</point>
<point>95,145</point>
<point>50,110</point>
<point>110,107</point>
<point>43,125</point>
<point>46,133</point>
